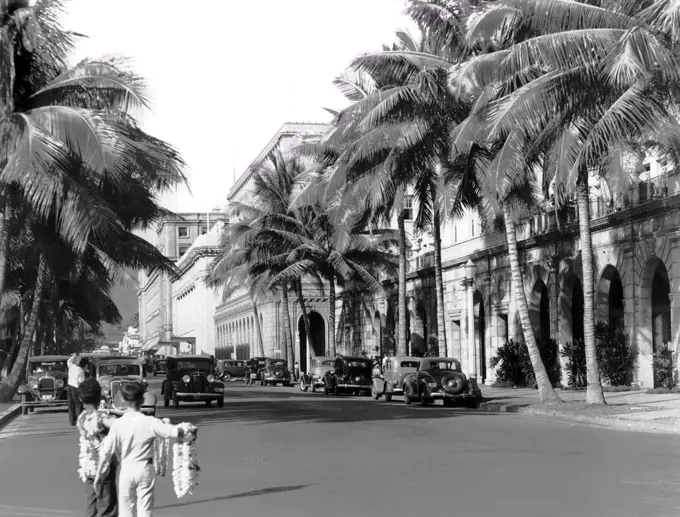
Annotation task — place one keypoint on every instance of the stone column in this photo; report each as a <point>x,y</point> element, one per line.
<point>464,331</point>
<point>472,349</point>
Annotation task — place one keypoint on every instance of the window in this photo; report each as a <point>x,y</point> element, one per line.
<point>204,230</point>
<point>183,250</point>
<point>408,208</point>
<point>183,231</point>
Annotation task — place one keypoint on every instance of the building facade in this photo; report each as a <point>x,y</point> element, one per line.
<point>182,239</point>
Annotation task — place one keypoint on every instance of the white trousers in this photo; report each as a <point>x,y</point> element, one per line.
<point>136,490</point>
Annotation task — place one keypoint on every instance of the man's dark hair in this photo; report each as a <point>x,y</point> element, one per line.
<point>133,392</point>
<point>90,392</point>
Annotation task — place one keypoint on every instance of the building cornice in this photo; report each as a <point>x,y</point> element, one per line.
<point>193,255</point>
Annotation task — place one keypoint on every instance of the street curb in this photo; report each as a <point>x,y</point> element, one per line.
<point>9,414</point>
<point>625,424</point>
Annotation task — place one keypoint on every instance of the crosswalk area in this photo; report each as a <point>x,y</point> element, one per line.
<point>48,422</point>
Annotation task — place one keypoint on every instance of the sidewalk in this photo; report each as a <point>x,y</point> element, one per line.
<point>630,410</point>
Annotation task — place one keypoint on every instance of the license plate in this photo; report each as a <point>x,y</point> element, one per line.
<point>253,376</point>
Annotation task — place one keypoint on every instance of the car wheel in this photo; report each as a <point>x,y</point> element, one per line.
<point>408,393</point>
<point>424,401</point>
<point>220,402</point>
<point>175,401</point>
<point>208,402</point>
<point>226,377</point>
<point>303,386</point>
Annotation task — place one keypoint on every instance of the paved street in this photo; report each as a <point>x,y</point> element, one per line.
<point>277,451</point>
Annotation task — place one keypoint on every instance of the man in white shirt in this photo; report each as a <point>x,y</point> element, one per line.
<point>131,438</point>
<point>76,375</point>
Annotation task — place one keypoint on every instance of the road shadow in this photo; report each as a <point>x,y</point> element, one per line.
<point>251,493</point>
<point>319,410</point>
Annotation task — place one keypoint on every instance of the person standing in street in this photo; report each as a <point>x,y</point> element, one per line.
<point>76,375</point>
<point>296,371</point>
<point>93,426</point>
<point>131,439</point>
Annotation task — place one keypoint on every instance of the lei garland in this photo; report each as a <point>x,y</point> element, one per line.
<point>161,453</point>
<point>91,435</point>
<point>185,465</point>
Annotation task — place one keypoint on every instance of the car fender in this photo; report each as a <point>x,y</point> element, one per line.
<point>22,389</point>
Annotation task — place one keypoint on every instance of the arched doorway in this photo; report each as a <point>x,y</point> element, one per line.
<point>318,330</point>
<point>655,307</point>
<point>480,335</point>
<point>539,309</point>
<point>661,308</point>
<point>609,298</point>
<point>420,330</point>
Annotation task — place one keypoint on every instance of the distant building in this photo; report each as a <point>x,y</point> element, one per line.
<point>175,238</point>
<point>130,344</point>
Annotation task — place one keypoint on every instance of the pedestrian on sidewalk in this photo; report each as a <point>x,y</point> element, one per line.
<point>93,426</point>
<point>76,375</point>
<point>296,371</point>
<point>131,439</point>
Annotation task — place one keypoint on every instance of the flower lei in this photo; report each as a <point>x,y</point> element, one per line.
<point>90,438</point>
<point>185,466</point>
<point>161,453</point>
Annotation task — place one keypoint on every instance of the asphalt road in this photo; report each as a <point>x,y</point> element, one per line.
<point>280,452</point>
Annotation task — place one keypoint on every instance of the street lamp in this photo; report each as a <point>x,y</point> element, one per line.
<point>470,269</point>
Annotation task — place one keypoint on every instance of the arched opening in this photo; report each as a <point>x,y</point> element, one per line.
<point>419,333</point>
<point>655,329</point>
<point>318,330</point>
<point>577,311</point>
<point>539,309</point>
<point>661,308</point>
<point>377,334</point>
<point>480,335</point>
<point>609,298</point>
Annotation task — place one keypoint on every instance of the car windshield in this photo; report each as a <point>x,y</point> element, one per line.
<point>194,365</point>
<point>441,365</point>
<point>410,364</point>
<point>48,367</point>
<point>120,370</point>
<point>358,364</point>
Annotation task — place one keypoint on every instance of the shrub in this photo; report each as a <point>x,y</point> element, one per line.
<point>663,365</point>
<point>432,347</point>
<point>575,354</point>
<point>513,364</point>
<point>615,357</point>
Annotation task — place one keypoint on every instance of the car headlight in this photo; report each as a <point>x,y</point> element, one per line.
<point>186,379</point>
<point>211,378</point>
<point>431,384</point>
<point>33,385</point>
<point>105,392</point>
<point>59,383</point>
<point>144,381</point>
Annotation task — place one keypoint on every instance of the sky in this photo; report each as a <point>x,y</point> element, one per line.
<point>225,75</point>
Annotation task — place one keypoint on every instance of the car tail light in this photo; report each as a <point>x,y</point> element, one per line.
<point>59,383</point>
<point>186,379</point>
<point>211,378</point>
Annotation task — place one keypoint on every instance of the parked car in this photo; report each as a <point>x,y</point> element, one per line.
<point>349,374</point>
<point>46,380</point>
<point>391,382</point>
<point>275,372</point>
<point>115,372</point>
<point>314,377</point>
<point>159,366</point>
<point>192,378</point>
<point>440,378</point>
<point>255,369</point>
<point>228,369</point>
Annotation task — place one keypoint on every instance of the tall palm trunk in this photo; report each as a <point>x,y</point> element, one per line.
<point>4,243</point>
<point>594,392</point>
<point>258,328</point>
<point>16,341</point>
<point>439,285</point>
<point>401,342</point>
<point>305,319</point>
<point>545,390</point>
<point>331,315</point>
<point>9,385</point>
<point>290,359</point>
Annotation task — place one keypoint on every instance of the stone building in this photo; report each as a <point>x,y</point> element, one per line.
<point>168,305</point>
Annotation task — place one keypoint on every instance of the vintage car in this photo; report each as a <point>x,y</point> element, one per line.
<point>275,372</point>
<point>314,377</point>
<point>192,378</point>
<point>46,380</point>
<point>159,366</point>
<point>113,372</point>
<point>255,369</point>
<point>391,382</point>
<point>440,378</point>
<point>349,375</point>
<point>228,369</point>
